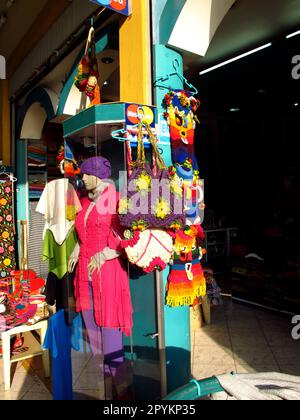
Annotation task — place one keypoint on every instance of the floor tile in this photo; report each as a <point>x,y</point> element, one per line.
<point>207,371</point>
<point>293,370</point>
<point>287,355</point>
<point>246,368</point>
<point>208,338</point>
<point>254,355</point>
<point>89,381</point>
<point>11,395</point>
<point>250,325</point>
<point>32,396</point>
<point>85,395</point>
<point>242,338</point>
<point>212,355</point>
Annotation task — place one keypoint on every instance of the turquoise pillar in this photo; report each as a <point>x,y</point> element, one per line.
<point>177,320</point>
<point>22,195</point>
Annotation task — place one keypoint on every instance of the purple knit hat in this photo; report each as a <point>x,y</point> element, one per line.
<point>97,166</point>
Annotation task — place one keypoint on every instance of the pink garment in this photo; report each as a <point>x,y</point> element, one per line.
<point>111,293</point>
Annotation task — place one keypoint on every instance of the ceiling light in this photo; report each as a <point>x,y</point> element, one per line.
<point>234,110</point>
<point>107,60</point>
<point>296,104</point>
<point>293,34</point>
<point>236,58</point>
<point>105,83</point>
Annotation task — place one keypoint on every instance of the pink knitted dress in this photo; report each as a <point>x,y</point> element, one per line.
<point>111,293</point>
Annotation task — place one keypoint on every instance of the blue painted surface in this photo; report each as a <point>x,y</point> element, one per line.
<point>126,9</point>
<point>177,320</point>
<point>22,196</point>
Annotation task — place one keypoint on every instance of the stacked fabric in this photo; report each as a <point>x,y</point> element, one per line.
<point>37,156</point>
<point>53,171</point>
<point>37,184</point>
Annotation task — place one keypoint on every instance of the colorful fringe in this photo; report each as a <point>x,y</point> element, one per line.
<point>186,292</point>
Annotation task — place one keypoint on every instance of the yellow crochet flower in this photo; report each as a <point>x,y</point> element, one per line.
<point>5,235</point>
<point>123,206</point>
<point>162,209</point>
<point>176,188</point>
<point>143,182</point>
<point>3,202</point>
<point>7,262</point>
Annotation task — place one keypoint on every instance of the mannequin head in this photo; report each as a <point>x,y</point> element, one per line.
<point>91,182</point>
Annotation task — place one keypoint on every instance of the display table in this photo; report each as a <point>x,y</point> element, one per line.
<point>35,349</point>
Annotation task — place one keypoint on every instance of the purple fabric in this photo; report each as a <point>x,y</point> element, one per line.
<point>112,340</point>
<point>97,166</point>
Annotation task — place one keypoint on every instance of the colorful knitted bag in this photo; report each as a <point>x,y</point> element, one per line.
<point>150,250</point>
<point>186,281</point>
<point>153,198</point>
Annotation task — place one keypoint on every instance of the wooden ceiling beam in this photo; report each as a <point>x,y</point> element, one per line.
<point>43,22</point>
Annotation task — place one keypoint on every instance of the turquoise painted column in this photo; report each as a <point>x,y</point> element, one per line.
<point>177,320</point>
<point>22,204</point>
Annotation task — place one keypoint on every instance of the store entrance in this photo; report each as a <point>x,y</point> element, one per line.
<point>249,156</point>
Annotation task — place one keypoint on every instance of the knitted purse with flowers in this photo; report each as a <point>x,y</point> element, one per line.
<point>150,250</point>
<point>153,198</point>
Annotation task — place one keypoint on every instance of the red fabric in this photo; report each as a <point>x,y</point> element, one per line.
<point>111,293</point>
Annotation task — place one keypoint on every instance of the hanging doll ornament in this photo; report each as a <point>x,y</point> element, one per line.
<point>180,113</point>
<point>186,281</point>
<point>69,168</point>
<point>88,72</point>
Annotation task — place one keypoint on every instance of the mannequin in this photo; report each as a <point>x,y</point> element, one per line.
<point>101,281</point>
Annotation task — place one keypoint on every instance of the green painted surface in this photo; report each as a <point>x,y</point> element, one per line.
<point>94,115</point>
<point>177,320</point>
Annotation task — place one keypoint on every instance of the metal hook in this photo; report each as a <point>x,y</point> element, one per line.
<point>176,64</point>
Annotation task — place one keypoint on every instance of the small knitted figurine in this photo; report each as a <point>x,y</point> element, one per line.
<point>87,76</point>
<point>186,281</point>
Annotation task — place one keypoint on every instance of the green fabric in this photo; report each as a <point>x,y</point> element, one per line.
<point>58,255</point>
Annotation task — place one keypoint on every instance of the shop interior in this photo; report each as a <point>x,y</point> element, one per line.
<point>248,152</point>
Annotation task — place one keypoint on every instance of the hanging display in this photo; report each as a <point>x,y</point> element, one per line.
<point>7,231</point>
<point>180,113</point>
<point>186,281</point>
<point>88,72</point>
<point>153,198</point>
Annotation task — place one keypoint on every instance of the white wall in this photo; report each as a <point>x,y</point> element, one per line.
<point>74,15</point>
